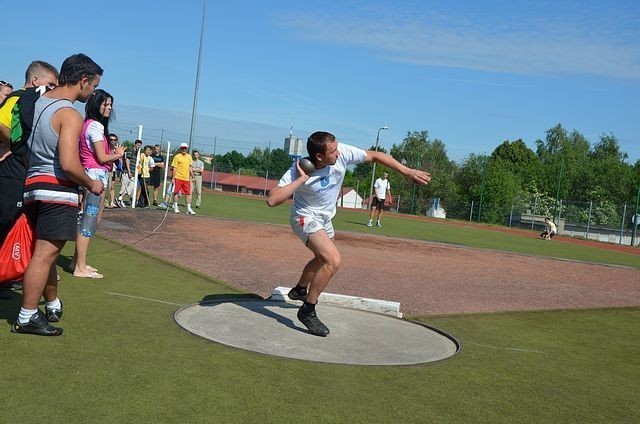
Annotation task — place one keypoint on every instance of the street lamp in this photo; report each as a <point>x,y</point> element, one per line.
<point>373,171</point>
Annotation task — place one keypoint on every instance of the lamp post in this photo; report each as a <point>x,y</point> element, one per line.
<point>373,171</point>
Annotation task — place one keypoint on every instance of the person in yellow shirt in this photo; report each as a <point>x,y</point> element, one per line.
<point>182,171</point>
<point>143,177</point>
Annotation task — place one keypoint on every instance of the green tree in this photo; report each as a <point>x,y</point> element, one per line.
<point>418,151</point>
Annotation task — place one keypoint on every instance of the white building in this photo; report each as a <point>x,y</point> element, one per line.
<point>349,199</point>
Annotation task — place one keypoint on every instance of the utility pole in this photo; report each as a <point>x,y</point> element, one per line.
<point>194,110</point>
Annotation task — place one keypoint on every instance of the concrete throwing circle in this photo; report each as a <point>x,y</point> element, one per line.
<point>357,337</point>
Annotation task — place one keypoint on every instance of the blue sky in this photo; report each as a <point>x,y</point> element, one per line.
<point>472,73</point>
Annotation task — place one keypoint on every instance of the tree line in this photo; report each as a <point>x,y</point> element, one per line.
<point>564,167</point>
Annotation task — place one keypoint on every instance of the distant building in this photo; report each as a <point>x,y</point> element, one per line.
<point>294,146</point>
<point>349,199</point>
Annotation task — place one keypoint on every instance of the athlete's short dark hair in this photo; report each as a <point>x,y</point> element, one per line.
<point>75,67</point>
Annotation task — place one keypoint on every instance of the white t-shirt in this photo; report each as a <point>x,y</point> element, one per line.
<point>95,133</point>
<point>319,194</point>
<point>381,186</point>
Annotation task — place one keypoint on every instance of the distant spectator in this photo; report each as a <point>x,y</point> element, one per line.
<point>182,171</point>
<point>157,174</point>
<point>196,183</point>
<point>550,229</point>
<point>127,183</point>
<point>142,195</point>
<point>114,174</point>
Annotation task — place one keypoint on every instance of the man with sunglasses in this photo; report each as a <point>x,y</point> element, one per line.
<point>5,89</point>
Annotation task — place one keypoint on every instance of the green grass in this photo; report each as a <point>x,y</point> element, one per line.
<point>398,225</point>
<point>123,359</point>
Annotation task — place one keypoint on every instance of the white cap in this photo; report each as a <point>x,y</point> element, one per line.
<point>184,145</point>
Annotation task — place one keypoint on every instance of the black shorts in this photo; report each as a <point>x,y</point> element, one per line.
<point>377,203</point>
<point>155,179</point>
<point>10,203</point>
<point>53,221</point>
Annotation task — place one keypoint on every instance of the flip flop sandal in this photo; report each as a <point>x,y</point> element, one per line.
<point>92,274</point>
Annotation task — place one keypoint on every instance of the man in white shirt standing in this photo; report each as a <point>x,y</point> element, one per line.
<point>382,187</point>
<point>314,205</point>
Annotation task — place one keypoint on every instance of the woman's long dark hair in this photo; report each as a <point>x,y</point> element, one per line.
<point>92,108</point>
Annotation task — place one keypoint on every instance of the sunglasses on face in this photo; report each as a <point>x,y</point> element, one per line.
<point>6,84</point>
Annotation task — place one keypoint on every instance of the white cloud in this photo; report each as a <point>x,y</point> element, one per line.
<point>535,46</point>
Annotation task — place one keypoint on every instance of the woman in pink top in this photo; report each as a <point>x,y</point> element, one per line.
<point>96,157</point>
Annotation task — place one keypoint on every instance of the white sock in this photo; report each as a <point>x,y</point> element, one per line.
<point>25,315</point>
<point>54,304</point>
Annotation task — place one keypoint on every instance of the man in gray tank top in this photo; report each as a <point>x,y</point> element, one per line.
<point>51,190</point>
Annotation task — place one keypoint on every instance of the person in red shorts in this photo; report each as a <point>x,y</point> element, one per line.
<point>182,171</point>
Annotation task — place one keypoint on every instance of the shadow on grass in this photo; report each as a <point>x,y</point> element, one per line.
<point>254,303</point>
<point>10,307</point>
<point>64,262</point>
<point>362,224</point>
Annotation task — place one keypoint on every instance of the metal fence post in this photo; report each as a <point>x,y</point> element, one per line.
<point>471,212</point>
<point>589,219</point>
<point>624,216</point>
<point>511,216</point>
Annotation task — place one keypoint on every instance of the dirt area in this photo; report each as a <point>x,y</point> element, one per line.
<point>426,278</point>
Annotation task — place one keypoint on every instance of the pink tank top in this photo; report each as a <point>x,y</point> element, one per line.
<point>87,156</point>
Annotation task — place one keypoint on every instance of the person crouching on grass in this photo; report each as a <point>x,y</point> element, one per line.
<point>550,229</point>
<point>314,205</point>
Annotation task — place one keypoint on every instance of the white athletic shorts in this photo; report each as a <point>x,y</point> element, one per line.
<point>305,225</point>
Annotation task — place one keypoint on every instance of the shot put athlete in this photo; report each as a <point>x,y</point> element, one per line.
<point>314,205</point>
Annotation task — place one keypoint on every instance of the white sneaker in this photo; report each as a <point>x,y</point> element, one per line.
<point>369,224</point>
<point>176,210</point>
<point>190,212</point>
<point>378,224</point>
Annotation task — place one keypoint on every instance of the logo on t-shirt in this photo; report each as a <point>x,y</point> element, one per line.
<point>324,181</point>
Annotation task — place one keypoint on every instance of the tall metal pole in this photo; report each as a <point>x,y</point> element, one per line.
<point>373,171</point>
<point>194,111</point>
<point>635,219</point>
<point>135,173</point>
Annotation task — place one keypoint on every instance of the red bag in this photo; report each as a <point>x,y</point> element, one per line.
<point>16,251</point>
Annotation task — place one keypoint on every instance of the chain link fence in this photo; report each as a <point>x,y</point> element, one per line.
<point>601,221</point>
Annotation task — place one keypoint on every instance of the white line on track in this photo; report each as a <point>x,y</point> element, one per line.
<point>144,298</point>
<point>505,348</point>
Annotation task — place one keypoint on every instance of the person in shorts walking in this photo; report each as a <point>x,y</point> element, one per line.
<point>314,205</point>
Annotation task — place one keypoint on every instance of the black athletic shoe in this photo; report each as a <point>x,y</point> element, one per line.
<point>297,295</point>
<point>37,325</point>
<point>53,315</point>
<point>313,323</point>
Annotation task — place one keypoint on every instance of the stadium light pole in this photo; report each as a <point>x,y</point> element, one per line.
<point>373,171</point>
<point>194,110</point>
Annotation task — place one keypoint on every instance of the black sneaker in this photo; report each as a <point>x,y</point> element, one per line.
<point>297,295</point>
<point>53,315</point>
<point>37,325</point>
<point>313,323</point>
<point>155,203</point>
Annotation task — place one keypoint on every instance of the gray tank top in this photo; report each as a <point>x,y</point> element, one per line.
<point>43,143</point>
